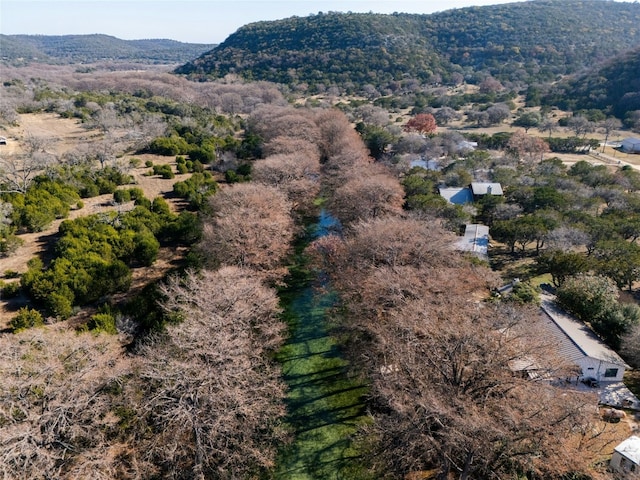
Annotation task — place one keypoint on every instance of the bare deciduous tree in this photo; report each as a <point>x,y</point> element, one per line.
<point>548,125</point>
<point>284,144</point>
<point>251,225</point>
<point>213,396</point>
<point>271,122</point>
<point>296,174</point>
<point>580,125</point>
<point>146,130</point>
<point>609,126</point>
<point>527,148</point>
<point>368,195</point>
<point>443,393</point>
<point>58,390</point>
<point>17,172</point>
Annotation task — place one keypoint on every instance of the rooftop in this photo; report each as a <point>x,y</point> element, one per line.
<point>630,448</point>
<point>481,188</point>
<point>475,240</point>
<point>582,341</point>
<point>459,196</point>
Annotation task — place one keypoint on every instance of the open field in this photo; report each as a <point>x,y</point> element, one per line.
<point>67,134</point>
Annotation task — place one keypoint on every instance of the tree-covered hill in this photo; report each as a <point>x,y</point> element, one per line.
<point>91,48</point>
<point>615,87</point>
<point>519,41</point>
<point>328,48</point>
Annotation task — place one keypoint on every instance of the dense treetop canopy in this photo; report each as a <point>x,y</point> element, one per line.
<point>521,41</point>
<point>615,87</point>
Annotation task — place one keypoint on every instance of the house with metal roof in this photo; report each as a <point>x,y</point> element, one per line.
<point>578,344</point>
<point>626,458</point>
<point>630,145</point>
<point>457,196</point>
<point>480,189</point>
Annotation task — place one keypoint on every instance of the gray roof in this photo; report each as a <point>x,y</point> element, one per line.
<point>459,196</point>
<point>431,164</point>
<point>481,188</point>
<point>476,239</point>
<point>630,448</point>
<point>576,340</point>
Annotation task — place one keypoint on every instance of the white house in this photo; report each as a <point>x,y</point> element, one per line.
<point>579,345</point>
<point>626,458</point>
<point>630,145</point>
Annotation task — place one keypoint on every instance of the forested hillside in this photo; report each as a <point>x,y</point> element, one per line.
<point>614,88</point>
<point>518,42</point>
<point>91,48</point>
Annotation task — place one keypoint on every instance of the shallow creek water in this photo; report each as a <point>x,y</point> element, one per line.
<point>325,404</point>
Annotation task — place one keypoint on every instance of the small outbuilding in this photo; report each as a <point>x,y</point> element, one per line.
<point>626,458</point>
<point>630,145</point>
<point>481,189</point>
<point>3,141</point>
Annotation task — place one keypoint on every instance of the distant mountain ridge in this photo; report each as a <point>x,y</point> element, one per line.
<point>521,41</point>
<point>96,47</point>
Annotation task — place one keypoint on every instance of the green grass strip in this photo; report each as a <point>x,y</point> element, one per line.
<point>325,404</point>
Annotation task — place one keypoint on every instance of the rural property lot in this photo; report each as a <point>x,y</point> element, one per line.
<point>66,135</point>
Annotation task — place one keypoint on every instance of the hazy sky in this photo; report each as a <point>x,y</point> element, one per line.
<point>195,21</point>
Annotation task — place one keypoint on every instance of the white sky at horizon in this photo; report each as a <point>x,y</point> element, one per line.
<point>192,21</point>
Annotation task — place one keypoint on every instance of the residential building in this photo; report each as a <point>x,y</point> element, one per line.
<point>626,458</point>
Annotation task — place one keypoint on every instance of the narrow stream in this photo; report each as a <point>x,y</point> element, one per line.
<point>325,404</point>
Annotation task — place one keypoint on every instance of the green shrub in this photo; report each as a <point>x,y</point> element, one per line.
<point>244,169</point>
<point>186,229</point>
<point>136,193</point>
<point>148,164</point>
<point>143,202</point>
<point>161,207</point>
<point>102,323</point>
<point>106,186</point>
<point>524,292</point>
<point>60,303</point>
<point>135,162</point>
<point>9,244</point>
<point>204,154</point>
<point>197,167</point>
<point>122,196</point>
<point>26,318</point>
<point>147,248</point>
<point>196,189</point>
<point>171,146</point>
<point>164,171</point>
<point>10,290</point>
<point>89,191</point>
